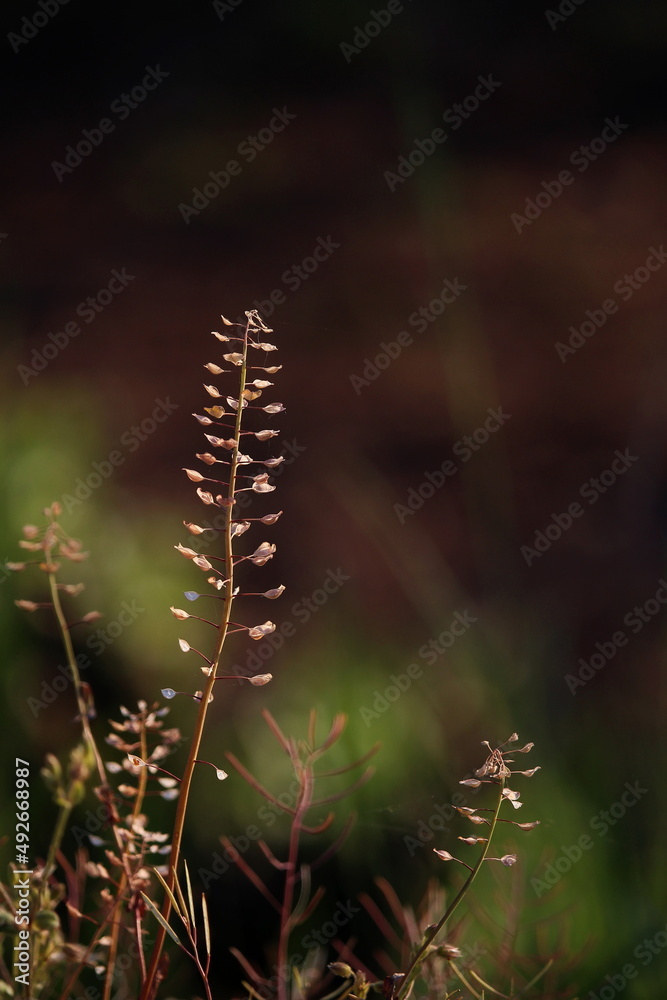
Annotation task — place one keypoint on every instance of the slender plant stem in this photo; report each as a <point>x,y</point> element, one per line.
<point>303,805</point>
<point>74,669</point>
<point>148,989</point>
<point>124,880</point>
<point>92,745</point>
<point>76,972</point>
<point>56,839</point>
<point>415,964</point>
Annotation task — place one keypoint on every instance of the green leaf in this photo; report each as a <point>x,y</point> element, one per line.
<point>151,905</point>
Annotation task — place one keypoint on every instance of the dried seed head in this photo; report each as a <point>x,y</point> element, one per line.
<point>188,553</point>
<point>341,969</point>
<point>259,680</point>
<point>512,797</point>
<point>195,476</point>
<point>259,631</point>
<point>270,518</point>
<point>264,347</point>
<point>262,554</point>
<point>26,605</point>
<point>261,484</point>
<point>449,951</point>
<point>194,529</point>
<point>248,389</point>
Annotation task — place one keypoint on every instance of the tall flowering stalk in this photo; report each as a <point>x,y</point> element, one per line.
<point>494,771</point>
<point>55,948</point>
<point>228,492</point>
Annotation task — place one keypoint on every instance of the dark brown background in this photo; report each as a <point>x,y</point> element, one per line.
<point>321,177</point>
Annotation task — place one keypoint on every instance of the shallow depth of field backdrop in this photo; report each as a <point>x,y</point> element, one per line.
<point>528,228</point>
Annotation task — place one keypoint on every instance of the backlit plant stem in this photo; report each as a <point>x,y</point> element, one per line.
<point>124,881</point>
<point>148,989</point>
<point>99,763</point>
<point>74,669</point>
<point>303,805</point>
<point>415,964</point>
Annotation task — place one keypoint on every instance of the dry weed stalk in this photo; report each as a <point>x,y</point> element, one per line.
<point>55,954</point>
<point>224,426</point>
<point>303,756</point>
<point>128,873</point>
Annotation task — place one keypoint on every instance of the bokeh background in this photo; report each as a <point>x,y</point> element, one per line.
<point>359,448</point>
